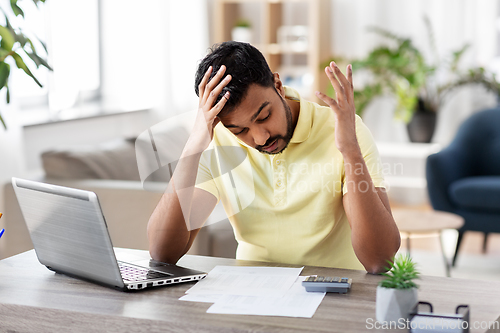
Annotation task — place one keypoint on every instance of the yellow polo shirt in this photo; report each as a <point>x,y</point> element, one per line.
<point>288,207</point>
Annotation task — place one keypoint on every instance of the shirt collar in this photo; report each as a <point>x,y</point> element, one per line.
<point>303,127</point>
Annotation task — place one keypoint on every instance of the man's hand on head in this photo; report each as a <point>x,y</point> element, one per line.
<point>207,119</point>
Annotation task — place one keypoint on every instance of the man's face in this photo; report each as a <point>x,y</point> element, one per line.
<point>262,120</point>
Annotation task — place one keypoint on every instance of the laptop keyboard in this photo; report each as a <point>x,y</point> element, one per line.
<point>133,273</point>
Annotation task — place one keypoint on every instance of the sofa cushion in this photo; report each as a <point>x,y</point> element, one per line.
<point>109,160</point>
<point>477,193</point>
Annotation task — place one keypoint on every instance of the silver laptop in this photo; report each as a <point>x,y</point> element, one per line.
<point>70,236</point>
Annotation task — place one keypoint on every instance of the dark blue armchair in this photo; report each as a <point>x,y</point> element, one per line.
<point>464,178</point>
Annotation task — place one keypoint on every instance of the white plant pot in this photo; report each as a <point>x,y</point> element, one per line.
<point>242,34</point>
<point>393,304</point>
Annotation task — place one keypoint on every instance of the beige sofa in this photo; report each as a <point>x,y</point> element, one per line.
<point>127,206</point>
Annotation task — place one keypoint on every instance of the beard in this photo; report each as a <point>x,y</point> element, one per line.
<point>289,130</point>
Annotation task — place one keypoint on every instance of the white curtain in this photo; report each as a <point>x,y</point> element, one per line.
<point>455,22</point>
<point>151,49</point>
<point>188,44</point>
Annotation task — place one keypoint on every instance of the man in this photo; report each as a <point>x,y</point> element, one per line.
<point>310,191</point>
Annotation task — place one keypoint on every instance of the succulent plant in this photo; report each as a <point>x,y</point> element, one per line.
<point>402,272</point>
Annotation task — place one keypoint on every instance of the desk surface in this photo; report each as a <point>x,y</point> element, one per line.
<point>34,299</point>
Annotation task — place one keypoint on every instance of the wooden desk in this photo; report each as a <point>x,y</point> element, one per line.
<point>34,299</point>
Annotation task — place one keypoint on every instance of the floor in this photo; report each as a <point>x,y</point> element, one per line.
<point>471,263</point>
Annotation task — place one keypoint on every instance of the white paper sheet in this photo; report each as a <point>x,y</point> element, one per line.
<point>204,298</point>
<point>247,281</point>
<point>296,303</point>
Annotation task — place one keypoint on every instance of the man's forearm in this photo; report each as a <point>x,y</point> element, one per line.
<point>167,233</point>
<point>169,229</point>
<point>375,236</point>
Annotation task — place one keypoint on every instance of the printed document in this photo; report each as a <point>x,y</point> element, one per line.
<point>247,281</point>
<point>296,303</point>
<point>265,291</point>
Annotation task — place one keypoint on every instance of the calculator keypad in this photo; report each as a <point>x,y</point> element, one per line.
<point>326,279</point>
<point>327,284</point>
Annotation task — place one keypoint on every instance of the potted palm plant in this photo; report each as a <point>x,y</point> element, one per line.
<point>420,87</point>
<point>397,294</point>
<point>16,47</point>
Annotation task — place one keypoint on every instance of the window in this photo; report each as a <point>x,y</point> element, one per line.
<point>70,29</point>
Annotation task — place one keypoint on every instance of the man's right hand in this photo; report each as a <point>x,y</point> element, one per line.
<point>207,119</point>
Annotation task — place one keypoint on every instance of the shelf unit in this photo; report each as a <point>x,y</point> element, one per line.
<point>270,18</point>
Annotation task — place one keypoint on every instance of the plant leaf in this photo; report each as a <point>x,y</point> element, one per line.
<point>8,39</point>
<point>456,56</point>
<point>16,9</point>
<point>20,37</point>
<point>403,272</point>
<point>4,74</point>
<point>35,57</point>
<point>21,64</point>
<point>3,122</point>
<point>38,60</point>
<point>44,45</point>
<point>3,54</point>
<point>38,1</point>
<point>431,37</point>
<point>8,25</point>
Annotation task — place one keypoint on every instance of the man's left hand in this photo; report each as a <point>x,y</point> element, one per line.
<point>343,107</point>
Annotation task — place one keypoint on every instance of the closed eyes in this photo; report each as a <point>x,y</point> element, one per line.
<point>263,119</point>
<point>258,120</point>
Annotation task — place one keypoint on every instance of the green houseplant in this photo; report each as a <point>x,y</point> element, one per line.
<point>18,48</point>
<point>242,31</point>
<point>419,86</point>
<point>397,294</point>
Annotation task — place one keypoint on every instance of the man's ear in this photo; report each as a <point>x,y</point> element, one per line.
<point>279,85</point>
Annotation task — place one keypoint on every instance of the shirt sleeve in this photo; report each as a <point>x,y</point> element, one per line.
<point>204,177</point>
<point>370,155</point>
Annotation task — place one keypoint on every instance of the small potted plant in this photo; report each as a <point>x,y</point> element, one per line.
<point>242,31</point>
<point>398,293</point>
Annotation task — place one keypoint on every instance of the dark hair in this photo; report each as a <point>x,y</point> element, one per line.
<point>246,65</point>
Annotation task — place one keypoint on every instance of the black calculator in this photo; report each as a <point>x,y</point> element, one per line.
<point>327,284</point>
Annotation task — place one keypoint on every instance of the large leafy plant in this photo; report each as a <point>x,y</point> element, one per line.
<point>402,71</point>
<point>401,274</point>
<point>17,47</point>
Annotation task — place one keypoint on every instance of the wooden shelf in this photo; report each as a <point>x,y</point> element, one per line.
<point>270,19</point>
<point>276,48</point>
